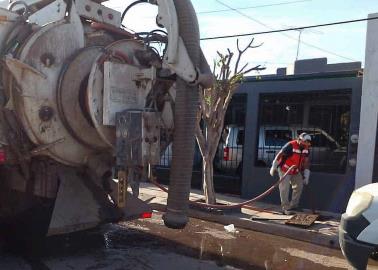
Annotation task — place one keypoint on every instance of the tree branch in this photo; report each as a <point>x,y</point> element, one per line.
<point>202,100</point>
<point>240,53</point>
<point>256,68</point>
<point>200,140</point>
<point>228,72</point>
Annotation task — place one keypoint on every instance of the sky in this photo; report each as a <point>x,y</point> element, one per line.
<point>339,44</point>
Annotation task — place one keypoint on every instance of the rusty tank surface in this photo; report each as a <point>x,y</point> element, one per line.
<point>86,107</point>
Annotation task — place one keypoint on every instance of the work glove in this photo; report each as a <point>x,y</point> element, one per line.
<point>306,177</point>
<point>274,167</point>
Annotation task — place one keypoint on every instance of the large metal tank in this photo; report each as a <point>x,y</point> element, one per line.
<point>84,104</point>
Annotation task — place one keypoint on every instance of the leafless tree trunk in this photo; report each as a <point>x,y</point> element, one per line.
<point>212,110</point>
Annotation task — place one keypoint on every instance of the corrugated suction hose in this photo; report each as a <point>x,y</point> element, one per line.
<point>185,119</point>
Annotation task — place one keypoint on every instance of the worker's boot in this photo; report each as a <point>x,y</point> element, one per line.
<point>287,212</point>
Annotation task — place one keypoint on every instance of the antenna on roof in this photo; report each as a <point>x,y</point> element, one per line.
<point>300,31</point>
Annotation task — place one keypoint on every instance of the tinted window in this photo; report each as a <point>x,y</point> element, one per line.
<point>277,137</point>
<point>328,119</point>
<point>240,139</point>
<point>319,140</point>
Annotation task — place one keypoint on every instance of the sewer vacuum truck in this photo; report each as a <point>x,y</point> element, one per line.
<point>82,98</point>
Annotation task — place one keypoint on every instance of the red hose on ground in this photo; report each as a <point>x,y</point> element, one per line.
<point>238,205</point>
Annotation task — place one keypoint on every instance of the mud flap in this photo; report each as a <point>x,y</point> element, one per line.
<point>80,204</point>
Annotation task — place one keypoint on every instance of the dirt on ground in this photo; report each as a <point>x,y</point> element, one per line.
<point>148,244</point>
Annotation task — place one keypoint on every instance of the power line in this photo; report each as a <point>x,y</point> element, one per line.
<point>270,63</point>
<point>243,14</point>
<point>252,7</point>
<point>291,29</point>
<point>272,30</point>
<point>241,8</point>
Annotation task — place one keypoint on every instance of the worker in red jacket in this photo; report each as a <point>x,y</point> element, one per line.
<point>296,153</point>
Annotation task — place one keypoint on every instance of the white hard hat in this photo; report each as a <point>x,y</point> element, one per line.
<point>305,137</point>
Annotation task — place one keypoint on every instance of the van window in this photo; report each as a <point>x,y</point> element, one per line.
<point>240,138</point>
<point>277,137</point>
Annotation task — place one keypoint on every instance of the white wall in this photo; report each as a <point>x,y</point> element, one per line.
<point>369,108</point>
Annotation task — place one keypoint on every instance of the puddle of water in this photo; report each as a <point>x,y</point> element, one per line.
<point>222,235</point>
<point>198,244</point>
<point>248,250</point>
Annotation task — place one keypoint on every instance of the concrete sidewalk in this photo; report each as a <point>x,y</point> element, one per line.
<point>265,218</point>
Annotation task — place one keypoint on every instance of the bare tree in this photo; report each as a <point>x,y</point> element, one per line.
<point>212,110</point>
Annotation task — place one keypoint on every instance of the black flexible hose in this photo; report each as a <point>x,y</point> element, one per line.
<point>186,104</point>
<point>130,6</point>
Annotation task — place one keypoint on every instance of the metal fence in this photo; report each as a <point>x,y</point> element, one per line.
<point>229,156</point>
<point>324,116</point>
<point>166,159</point>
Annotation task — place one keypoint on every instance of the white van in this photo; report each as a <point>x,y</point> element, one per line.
<point>326,152</point>
<point>230,150</point>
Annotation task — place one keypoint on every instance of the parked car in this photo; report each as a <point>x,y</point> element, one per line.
<point>166,158</point>
<point>326,152</point>
<point>358,232</point>
<point>230,150</point>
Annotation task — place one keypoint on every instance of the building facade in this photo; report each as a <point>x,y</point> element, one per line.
<point>319,98</point>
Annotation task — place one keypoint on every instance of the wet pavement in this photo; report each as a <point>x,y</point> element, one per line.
<point>148,244</point>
